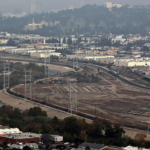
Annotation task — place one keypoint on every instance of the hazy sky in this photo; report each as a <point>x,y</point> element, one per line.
<point>50,5</point>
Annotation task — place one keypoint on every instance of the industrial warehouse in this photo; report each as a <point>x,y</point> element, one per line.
<point>14,135</point>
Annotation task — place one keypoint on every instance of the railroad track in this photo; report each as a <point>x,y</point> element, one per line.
<point>118,77</point>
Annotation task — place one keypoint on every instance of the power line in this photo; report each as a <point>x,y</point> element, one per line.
<point>28,79</point>
<point>6,81</point>
<point>47,65</point>
<point>72,96</point>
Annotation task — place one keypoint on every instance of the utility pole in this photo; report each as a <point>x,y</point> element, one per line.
<point>6,81</point>
<point>28,78</point>
<point>49,72</point>
<point>72,96</point>
<point>8,74</point>
<point>30,84</point>
<point>47,68</point>
<point>4,86</point>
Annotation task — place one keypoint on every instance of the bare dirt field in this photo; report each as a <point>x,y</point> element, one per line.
<point>107,98</point>
<point>102,96</point>
<point>25,104</point>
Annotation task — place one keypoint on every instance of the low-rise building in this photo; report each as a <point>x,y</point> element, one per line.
<point>132,62</point>
<point>42,55</point>
<point>2,48</point>
<point>20,146</point>
<point>5,131</point>
<point>134,148</point>
<point>3,41</point>
<point>56,138</point>
<point>34,25</point>
<point>20,137</point>
<point>92,146</point>
<point>117,5</point>
<point>45,45</point>
<point>18,50</point>
<point>88,57</point>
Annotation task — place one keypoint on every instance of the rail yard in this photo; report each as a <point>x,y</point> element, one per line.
<point>99,93</point>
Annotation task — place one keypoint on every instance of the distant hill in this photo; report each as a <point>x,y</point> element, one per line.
<point>90,19</point>
<point>8,6</point>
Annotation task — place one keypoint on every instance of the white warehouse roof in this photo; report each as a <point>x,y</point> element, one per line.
<point>8,131</point>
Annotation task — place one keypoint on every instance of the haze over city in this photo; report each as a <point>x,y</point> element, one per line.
<point>9,6</point>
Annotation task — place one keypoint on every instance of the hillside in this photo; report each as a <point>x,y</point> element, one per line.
<point>90,19</point>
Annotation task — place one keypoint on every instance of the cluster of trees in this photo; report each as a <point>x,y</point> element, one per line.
<point>53,40</point>
<point>106,42</point>
<point>89,20</point>
<point>17,75</point>
<point>11,43</point>
<point>73,129</point>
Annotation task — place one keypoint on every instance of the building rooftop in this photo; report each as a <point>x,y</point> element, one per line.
<point>20,145</point>
<point>133,148</point>
<point>22,135</point>
<point>92,145</point>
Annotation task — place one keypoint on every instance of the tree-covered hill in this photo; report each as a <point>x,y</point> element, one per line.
<point>90,19</point>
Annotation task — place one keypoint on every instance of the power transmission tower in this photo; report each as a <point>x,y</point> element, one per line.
<point>4,84</point>
<point>72,96</point>
<point>28,84</point>
<point>47,65</point>
<point>73,88</point>
<point>6,81</point>
<point>75,61</point>
<point>8,74</point>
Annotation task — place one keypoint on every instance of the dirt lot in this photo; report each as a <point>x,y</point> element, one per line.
<point>24,104</point>
<point>108,98</point>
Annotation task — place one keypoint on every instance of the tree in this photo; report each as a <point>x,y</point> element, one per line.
<point>53,40</point>
<point>4,145</point>
<point>46,138</point>
<point>118,130</point>
<point>128,48</point>
<point>87,148</point>
<point>145,48</point>
<point>85,40</point>
<point>59,42</point>
<point>95,129</point>
<point>11,43</point>
<point>27,148</point>
<point>139,136</point>
<point>55,120</point>
<point>83,136</point>
<point>67,137</point>
<point>64,40</point>
<point>79,40</point>
<point>46,129</point>
<point>37,111</point>
<point>71,126</point>
<point>69,42</point>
